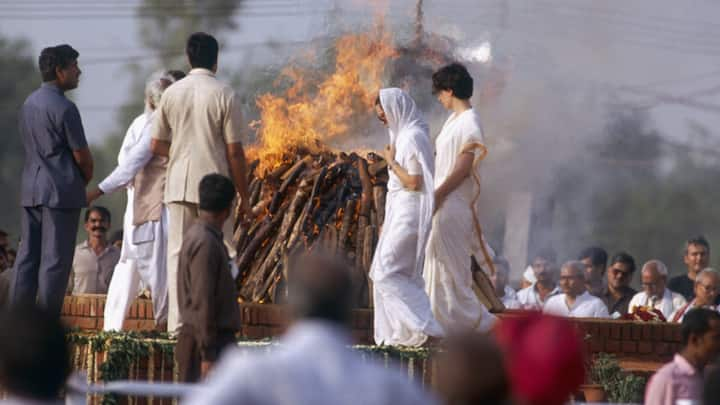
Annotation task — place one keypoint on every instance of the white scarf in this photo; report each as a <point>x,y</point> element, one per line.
<point>406,121</point>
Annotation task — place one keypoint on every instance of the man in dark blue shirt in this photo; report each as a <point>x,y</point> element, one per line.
<point>58,166</point>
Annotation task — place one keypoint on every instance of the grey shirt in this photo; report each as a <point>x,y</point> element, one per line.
<point>51,129</point>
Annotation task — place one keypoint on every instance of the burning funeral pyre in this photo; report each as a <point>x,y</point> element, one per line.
<point>333,200</point>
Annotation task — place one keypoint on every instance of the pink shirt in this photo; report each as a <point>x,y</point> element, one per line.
<point>675,380</point>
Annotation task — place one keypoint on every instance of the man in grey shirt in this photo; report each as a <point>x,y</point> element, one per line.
<point>58,166</point>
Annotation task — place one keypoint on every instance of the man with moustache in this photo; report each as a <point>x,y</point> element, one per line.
<point>696,257</point>
<point>96,257</point>
<point>58,165</point>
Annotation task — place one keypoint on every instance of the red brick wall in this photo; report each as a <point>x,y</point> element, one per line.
<point>639,346</point>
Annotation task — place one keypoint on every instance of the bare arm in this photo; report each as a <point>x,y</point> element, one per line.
<point>160,148</point>
<point>84,160</point>
<point>460,172</point>
<point>238,171</point>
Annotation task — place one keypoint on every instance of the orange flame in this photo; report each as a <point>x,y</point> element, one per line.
<point>314,111</point>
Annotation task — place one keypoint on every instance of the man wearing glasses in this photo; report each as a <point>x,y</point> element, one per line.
<point>707,283</point>
<point>617,293</point>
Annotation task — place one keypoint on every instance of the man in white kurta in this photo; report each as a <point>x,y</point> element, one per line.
<point>313,364</point>
<point>401,306</point>
<point>453,239</point>
<point>655,294</point>
<point>144,248</point>
<point>575,301</point>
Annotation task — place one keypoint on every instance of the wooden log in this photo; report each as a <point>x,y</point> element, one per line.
<point>483,288</point>
<point>359,242</point>
<point>274,255</point>
<point>368,250</point>
<point>275,174</point>
<point>332,238</point>
<point>296,167</point>
<point>379,199</point>
<point>375,168</point>
<point>250,281</point>
<point>269,224</point>
<point>255,190</point>
<point>251,169</point>
<point>348,214</point>
<point>367,187</point>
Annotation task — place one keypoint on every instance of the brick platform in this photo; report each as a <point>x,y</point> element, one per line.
<point>639,346</point>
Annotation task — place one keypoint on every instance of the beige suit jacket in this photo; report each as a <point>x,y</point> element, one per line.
<point>198,115</point>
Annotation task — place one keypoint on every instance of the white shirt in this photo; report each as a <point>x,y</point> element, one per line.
<point>530,299</point>
<point>510,300</point>
<point>585,306</point>
<point>680,312</point>
<point>134,154</point>
<point>669,303</point>
<point>313,365</point>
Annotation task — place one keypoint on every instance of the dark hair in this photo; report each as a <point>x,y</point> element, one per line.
<point>624,258</point>
<point>104,213</point>
<point>216,193</point>
<point>3,233</point>
<point>202,50</point>
<point>319,286</point>
<point>597,255</point>
<point>453,77</point>
<point>698,240</point>
<point>34,357</point>
<point>54,57</point>
<point>175,74</point>
<point>697,322</point>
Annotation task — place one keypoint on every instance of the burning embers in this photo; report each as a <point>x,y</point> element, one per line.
<point>328,199</point>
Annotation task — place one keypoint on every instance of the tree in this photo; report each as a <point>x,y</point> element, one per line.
<point>20,78</point>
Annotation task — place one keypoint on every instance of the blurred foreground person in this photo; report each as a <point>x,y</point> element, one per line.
<point>543,357</point>
<point>682,378</point>
<point>34,358</point>
<point>314,363</point>
<point>471,371</point>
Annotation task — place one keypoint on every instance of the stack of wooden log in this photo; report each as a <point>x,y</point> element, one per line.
<point>333,200</point>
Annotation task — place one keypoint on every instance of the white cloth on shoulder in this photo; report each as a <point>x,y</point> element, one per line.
<point>402,309</point>
<point>585,306</point>
<point>453,238</point>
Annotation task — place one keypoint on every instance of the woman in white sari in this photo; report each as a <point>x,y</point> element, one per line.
<point>402,309</point>
<point>454,235</point>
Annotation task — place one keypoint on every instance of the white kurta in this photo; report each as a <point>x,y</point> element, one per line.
<point>585,306</point>
<point>509,299</point>
<point>144,248</point>
<point>669,303</point>
<point>313,365</point>
<point>529,298</point>
<point>447,272</point>
<point>401,307</point>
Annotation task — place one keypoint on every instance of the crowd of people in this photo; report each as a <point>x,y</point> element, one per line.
<point>182,165</point>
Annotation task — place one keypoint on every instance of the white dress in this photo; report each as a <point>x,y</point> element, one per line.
<point>453,239</point>
<point>401,307</point>
<point>144,248</point>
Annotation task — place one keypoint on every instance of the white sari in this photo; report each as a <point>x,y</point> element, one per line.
<point>402,309</point>
<point>453,239</point>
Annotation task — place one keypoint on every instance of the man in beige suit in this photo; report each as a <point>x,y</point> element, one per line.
<point>199,127</point>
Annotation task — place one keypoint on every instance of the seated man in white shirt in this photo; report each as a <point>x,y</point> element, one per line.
<point>575,301</point>
<point>313,364</point>
<point>654,294</point>
<point>507,295</point>
<point>534,296</point>
<point>707,287</point>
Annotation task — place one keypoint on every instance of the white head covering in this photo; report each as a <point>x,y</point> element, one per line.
<point>406,123</point>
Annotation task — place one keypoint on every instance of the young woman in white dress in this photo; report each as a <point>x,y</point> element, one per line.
<point>454,235</point>
<point>402,309</point>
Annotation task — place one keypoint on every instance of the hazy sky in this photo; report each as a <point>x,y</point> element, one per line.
<point>660,48</point>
